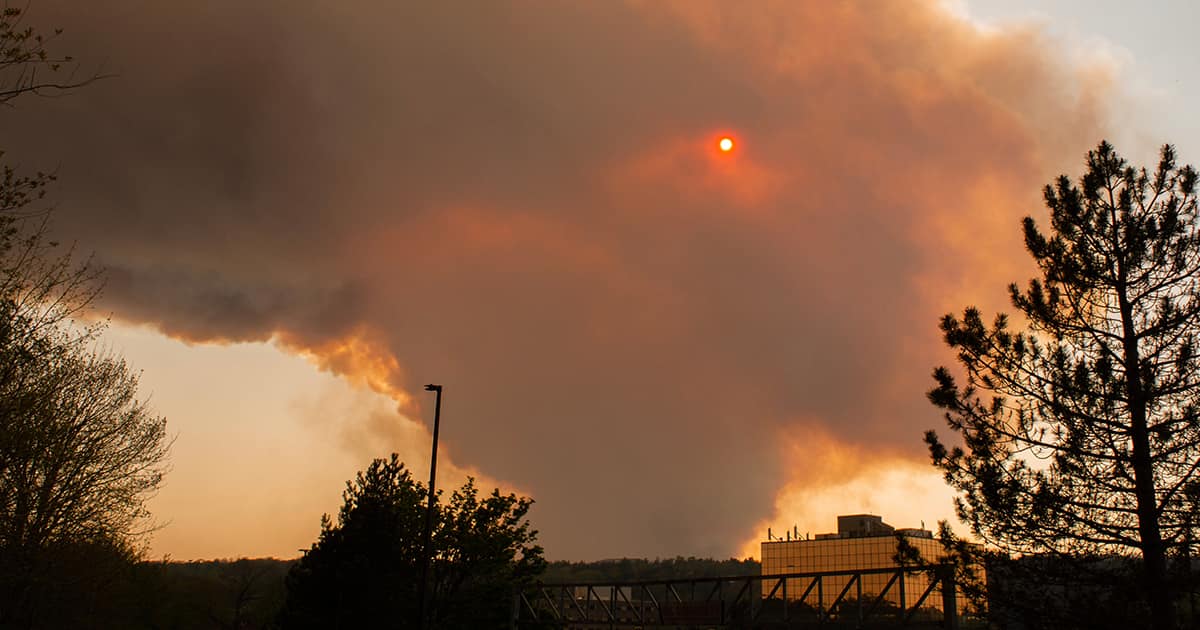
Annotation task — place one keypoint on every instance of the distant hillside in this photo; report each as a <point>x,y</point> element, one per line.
<point>633,569</point>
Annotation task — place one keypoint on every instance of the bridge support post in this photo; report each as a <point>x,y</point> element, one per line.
<point>515,611</point>
<point>949,597</point>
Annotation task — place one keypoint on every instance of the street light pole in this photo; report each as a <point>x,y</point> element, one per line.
<point>426,549</point>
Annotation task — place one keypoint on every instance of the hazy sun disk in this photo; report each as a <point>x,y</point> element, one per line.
<point>726,144</point>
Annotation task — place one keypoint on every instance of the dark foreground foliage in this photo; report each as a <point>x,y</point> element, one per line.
<point>99,586</point>
<point>364,570</point>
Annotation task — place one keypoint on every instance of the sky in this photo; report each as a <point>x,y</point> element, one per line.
<point>307,210</point>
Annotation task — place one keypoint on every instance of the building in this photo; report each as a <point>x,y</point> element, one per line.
<point>862,541</point>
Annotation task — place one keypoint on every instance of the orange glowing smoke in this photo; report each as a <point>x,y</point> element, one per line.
<point>358,357</point>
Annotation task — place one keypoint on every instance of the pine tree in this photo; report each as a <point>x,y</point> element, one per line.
<point>1081,432</point>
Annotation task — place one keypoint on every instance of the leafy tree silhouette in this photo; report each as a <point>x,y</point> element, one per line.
<point>79,452</point>
<point>363,571</point>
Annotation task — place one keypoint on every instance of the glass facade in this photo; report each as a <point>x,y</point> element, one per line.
<point>847,554</point>
<point>863,541</point>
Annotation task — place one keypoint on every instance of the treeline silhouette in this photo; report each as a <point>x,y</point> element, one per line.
<point>249,593</point>
<point>633,569</point>
<point>216,594</point>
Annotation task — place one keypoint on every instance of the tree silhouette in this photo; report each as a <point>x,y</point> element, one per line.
<point>27,66</point>
<point>363,571</point>
<point>79,453</point>
<point>1080,434</point>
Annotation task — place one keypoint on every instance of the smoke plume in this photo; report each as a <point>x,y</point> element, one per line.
<point>523,201</point>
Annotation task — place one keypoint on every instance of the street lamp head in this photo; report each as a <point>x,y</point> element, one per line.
<point>433,388</point>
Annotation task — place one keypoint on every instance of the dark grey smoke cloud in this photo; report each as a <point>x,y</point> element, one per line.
<point>521,201</point>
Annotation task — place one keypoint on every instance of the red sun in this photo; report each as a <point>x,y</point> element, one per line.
<point>725,144</point>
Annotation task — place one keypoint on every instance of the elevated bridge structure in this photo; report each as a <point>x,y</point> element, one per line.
<point>829,599</point>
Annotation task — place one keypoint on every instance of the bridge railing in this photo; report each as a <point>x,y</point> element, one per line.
<point>889,596</point>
